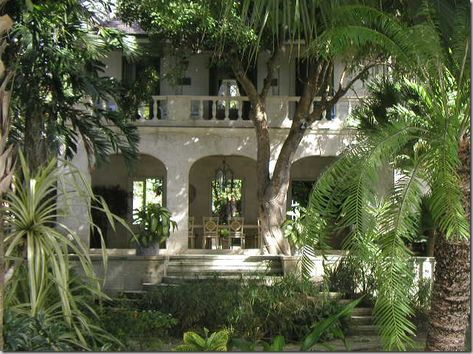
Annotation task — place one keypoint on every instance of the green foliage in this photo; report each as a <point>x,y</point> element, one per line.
<point>331,325</point>
<point>135,328</point>
<point>38,248</point>
<point>251,310</point>
<point>196,25</point>
<point>206,303</point>
<point>39,333</point>
<point>318,329</point>
<point>420,138</point>
<point>277,345</point>
<point>193,342</point>
<point>221,196</point>
<point>352,277</point>
<point>293,227</point>
<point>59,46</point>
<point>155,224</point>
<point>139,92</point>
<point>421,294</point>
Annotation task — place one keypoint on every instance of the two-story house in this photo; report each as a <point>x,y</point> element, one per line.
<point>198,146</point>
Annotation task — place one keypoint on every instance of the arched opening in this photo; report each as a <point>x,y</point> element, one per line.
<point>224,187</point>
<point>304,173</point>
<point>125,190</point>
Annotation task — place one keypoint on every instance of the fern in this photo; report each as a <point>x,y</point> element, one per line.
<point>416,133</point>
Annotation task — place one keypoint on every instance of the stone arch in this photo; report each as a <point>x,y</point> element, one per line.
<point>305,172</point>
<point>201,174</point>
<point>115,180</point>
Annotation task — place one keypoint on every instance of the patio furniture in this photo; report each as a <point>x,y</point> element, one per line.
<point>190,232</point>
<point>210,231</point>
<point>236,231</point>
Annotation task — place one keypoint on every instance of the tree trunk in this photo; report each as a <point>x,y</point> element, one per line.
<point>272,214</point>
<point>271,196</point>
<point>450,306</point>
<point>36,149</point>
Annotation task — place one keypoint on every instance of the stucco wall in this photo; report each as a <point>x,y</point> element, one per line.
<point>117,173</point>
<point>113,65</point>
<point>197,71</point>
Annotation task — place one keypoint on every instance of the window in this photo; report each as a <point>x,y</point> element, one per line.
<point>227,199</point>
<point>228,88</point>
<point>146,191</point>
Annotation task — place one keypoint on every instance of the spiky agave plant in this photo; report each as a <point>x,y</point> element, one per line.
<point>38,249</point>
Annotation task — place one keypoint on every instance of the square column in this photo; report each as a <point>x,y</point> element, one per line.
<point>177,201</point>
<point>77,203</point>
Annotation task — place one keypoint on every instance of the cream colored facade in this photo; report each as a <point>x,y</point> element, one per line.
<point>184,144</point>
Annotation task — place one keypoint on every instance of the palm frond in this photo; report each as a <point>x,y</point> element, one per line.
<point>358,27</point>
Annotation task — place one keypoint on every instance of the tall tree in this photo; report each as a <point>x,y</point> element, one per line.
<point>59,86</point>
<point>426,138</point>
<point>237,30</point>
<point>6,153</point>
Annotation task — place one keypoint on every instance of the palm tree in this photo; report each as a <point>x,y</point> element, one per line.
<point>426,140</point>
<point>59,91</point>
<point>6,158</point>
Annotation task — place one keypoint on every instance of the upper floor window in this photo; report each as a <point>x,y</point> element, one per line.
<point>229,87</point>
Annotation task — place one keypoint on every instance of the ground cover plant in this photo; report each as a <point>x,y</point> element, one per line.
<point>247,309</point>
<point>136,329</point>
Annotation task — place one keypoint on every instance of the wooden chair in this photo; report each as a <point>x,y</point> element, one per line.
<point>190,232</point>
<point>210,231</point>
<point>236,225</point>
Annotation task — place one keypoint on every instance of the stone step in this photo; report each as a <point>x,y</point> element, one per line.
<point>131,294</point>
<point>223,263</point>
<point>150,286</point>
<point>218,268</point>
<point>214,274</point>
<point>225,257</point>
<point>361,320</point>
<point>224,260</point>
<point>362,311</point>
<point>363,330</point>
<point>268,280</point>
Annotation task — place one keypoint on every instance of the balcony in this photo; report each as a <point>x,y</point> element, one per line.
<point>233,111</point>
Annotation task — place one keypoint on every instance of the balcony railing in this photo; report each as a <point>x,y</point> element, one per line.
<point>226,110</point>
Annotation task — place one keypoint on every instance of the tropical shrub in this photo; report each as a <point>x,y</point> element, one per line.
<point>251,310</point>
<point>195,305</point>
<point>352,277</point>
<point>136,329</point>
<point>319,330</point>
<point>39,333</point>
<point>293,227</point>
<point>37,251</point>
<point>193,342</point>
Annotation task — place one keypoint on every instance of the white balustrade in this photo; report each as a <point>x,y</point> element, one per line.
<point>280,109</point>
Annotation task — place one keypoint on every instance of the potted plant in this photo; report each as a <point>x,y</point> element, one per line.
<point>154,226</point>
<point>224,234</point>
